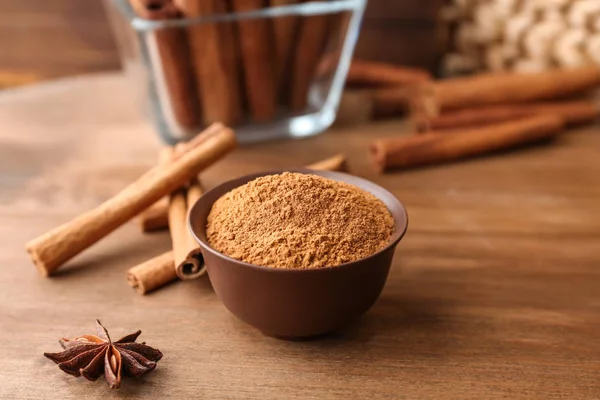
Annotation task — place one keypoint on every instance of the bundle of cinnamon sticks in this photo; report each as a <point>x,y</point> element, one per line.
<point>185,260</point>
<point>471,116</point>
<point>163,195</point>
<point>232,72</point>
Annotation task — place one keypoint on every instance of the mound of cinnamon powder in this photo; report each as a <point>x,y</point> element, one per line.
<point>299,221</point>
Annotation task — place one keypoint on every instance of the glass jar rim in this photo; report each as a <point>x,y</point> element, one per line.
<point>301,9</point>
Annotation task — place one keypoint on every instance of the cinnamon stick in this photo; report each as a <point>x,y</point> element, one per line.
<point>173,60</point>
<point>378,74</point>
<point>54,248</point>
<point>312,39</point>
<point>335,163</point>
<point>154,217</point>
<point>572,112</point>
<point>505,88</point>
<point>185,256</point>
<point>431,148</point>
<point>153,273</point>
<point>390,102</point>
<point>177,213</point>
<point>192,266</point>
<point>215,61</point>
<point>256,46</point>
<point>284,32</point>
<point>358,106</point>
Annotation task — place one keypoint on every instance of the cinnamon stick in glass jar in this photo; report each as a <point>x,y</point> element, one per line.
<point>215,61</point>
<point>284,31</point>
<point>310,46</point>
<point>52,249</point>
<point>432,147</point>
<point>256,46</point>
<point>175,67</point>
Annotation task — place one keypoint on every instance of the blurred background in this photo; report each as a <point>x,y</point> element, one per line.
<point>45,39</point>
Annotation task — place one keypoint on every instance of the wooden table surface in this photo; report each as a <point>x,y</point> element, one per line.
<point>494,292</point>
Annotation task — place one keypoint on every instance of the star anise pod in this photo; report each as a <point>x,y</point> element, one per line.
<point>91,356</point>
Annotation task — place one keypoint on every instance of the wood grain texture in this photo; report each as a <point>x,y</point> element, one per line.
<point>493,292</point>
<point>55,38</point>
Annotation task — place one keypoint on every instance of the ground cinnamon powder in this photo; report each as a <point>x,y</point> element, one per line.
<point>298,221</point>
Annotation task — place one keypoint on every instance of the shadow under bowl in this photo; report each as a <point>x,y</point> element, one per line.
<point>303,303</point>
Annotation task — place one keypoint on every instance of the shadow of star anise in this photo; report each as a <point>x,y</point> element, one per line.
<point>92,356</point>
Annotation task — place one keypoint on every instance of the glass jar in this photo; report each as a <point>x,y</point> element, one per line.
<point>267,72</point>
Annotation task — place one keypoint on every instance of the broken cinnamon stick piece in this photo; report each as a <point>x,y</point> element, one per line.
<point>173,61</point>
<point>192,266</point>
<point>153,273</point>
<point>432,147</point>
<point>358,106</point>
<point>257,54</point>
<point>390,102</point>
<point>499,88</point>
<point>155,217</point>
<point>52,249</point>
<point>372,73</point>
<point>335,163</point>
<point>573,113</point>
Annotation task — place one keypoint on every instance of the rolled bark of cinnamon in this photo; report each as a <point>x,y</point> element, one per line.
<point>153,273</point>
<point>192,266</point>
<point>572,112</point>
<point>284,30</point>
<point>177,224</point>
<point>391,102</point>
<point>504,88</point>
<point>215,62</point>
<point>174,60</point>
<point>372,73</point>
<point>310,45</point>
<point>155,217</point>
<point>54,248</point>
<point>185,260</point>
<point>358,106</point>
<point>431,148</point>
<point>256,46</point>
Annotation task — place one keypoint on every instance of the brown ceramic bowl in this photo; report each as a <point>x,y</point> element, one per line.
<point>296,304</point>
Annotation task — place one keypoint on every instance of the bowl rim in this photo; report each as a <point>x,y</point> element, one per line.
<point>338,176</point>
